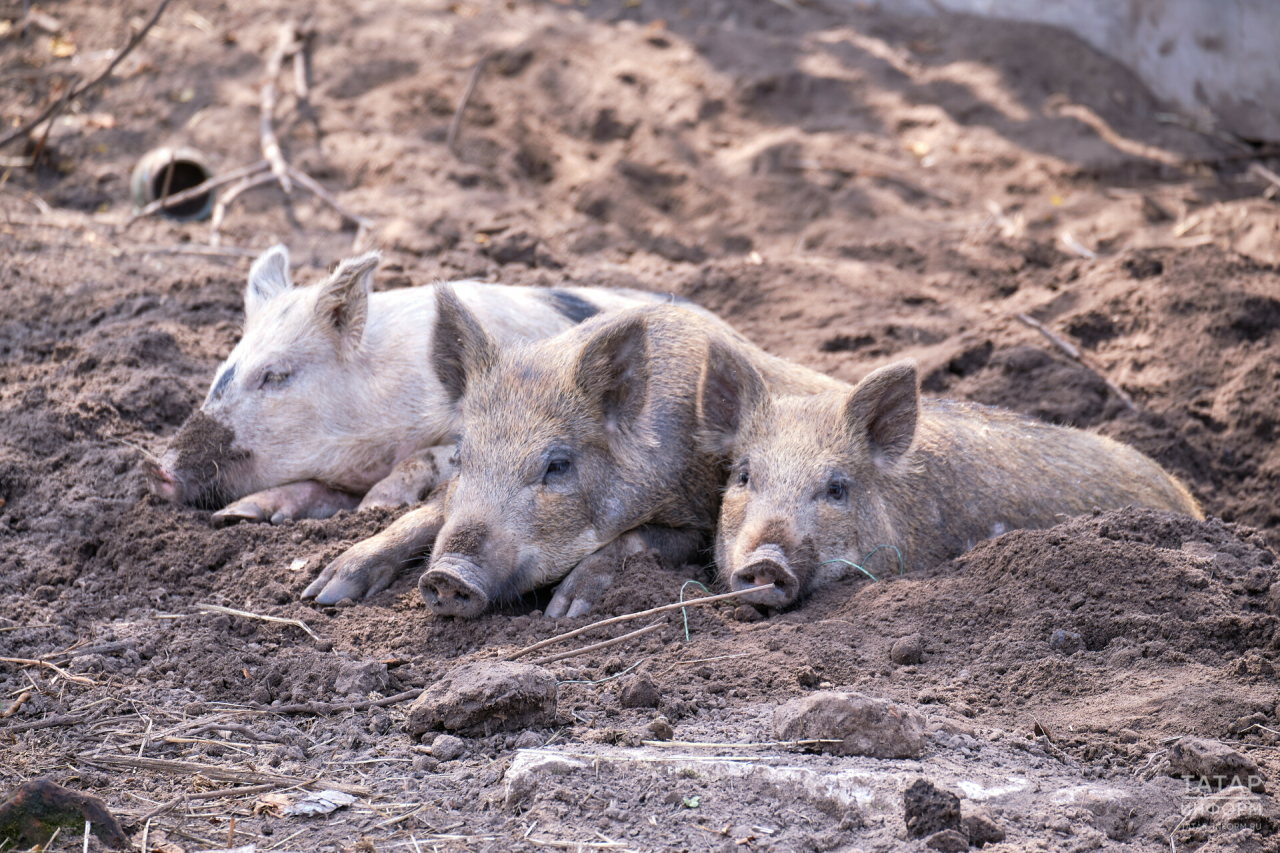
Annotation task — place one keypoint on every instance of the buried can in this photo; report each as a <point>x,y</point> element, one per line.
<point>166,171</point>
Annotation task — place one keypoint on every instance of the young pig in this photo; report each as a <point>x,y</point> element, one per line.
<point>817,483</point>
<point>330,394</point>
<point>574,453</point>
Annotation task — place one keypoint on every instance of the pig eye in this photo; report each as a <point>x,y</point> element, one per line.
<point>836,490</point>
<point>556,468</point>
<point>275,377</point>
<point>744,477</point>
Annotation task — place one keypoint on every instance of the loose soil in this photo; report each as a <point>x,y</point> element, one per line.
<point>846,186</point>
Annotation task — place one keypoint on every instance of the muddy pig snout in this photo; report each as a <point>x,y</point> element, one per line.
<point>163,480</point>
<point>453,586</point>
<point>766,565</point>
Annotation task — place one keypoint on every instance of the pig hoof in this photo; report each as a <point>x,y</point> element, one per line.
<point>336,590</point>
<point>449,593</point>
<point>237,513</point>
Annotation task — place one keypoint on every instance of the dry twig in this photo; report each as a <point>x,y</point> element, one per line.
<point>270,143</point>
<point>46,723</point>
<point>211,771</point>
<point>59,670</point>
<point>322,708</point>
<point>1075,355</point>
<point>595,647</point>
<point>653,611</point>
<point>198,190</point>
<point>77,91</point>
<point>455,123</point>
<point>245,614</point>
<point>290,43</point>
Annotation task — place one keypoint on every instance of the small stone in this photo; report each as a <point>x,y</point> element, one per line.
<point>530,740</point>
<point>640,692</point>
<point>908,650</point>
<point>361,677</point>
<point>807,677</point>
<point>746,613</point>
<point>483,698</point>
<point>1213,765</point>
<point>948,841</point>
<point>929,809</point>
<point>447,747</point>
<point>981,830</point>
<point>661,729</point>
<point>1127,736</point>
<point>1066,642</point>
<point>426,762</point>
<point>862,725</point>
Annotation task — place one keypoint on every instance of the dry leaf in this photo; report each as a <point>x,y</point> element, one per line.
<point>62,47</point>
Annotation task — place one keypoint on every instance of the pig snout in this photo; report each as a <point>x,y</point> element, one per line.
<point>454,586</point>
<point>766,565</point>
<point>164,480</point>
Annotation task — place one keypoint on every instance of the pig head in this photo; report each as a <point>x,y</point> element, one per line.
<point>566,446</point>
<point>294,399</point>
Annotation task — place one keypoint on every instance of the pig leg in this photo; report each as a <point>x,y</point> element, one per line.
<point>578,593</point>
<point>304,499</point>
<point>369,567</point>
<point>412,479</point>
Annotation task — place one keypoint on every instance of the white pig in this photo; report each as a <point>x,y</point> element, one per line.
<point>330,401</point>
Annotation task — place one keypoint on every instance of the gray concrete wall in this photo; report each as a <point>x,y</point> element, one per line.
<point>1213,59</point>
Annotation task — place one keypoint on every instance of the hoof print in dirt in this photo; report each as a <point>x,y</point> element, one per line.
<point>1210,765</point>
<point>861,724</point>
<point>640,692</point>
<point>929,810</point>
<point>478,699</point>
<point>35,811</point>
<point>908,650</point>
<point>948,841</point>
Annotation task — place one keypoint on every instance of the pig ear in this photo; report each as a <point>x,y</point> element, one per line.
<point>614,369</point>
<point>883,409</point>
<point>728,389</point>
<point>343,301</point>
<point>268,278</point>
<point>460,348</point>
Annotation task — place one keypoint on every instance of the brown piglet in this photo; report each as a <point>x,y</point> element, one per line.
<point>818,483</point>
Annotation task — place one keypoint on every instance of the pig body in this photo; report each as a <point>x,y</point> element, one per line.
<point>574,453</point>
<point>818,483</point>
<point>330,394</point>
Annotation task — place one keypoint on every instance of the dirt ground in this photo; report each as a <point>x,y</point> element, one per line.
<point>847,187</point>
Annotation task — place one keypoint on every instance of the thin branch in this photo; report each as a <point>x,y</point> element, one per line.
<point>328,198</point>
<point>270,142</point>
<point>212,771</point>
<point>220,209</point>
<point>245,614</point>
<point>601,645</point>
<point>81,90</point>
<point>322,708</point>
<point>46,723</point>
<point>1075,355</point>
<point>455,123</point>
<point>68,676</point>
<point>653,611</point>
<point>198,190</point>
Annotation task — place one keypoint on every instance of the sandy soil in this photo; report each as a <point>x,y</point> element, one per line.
<point>847,189</point>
